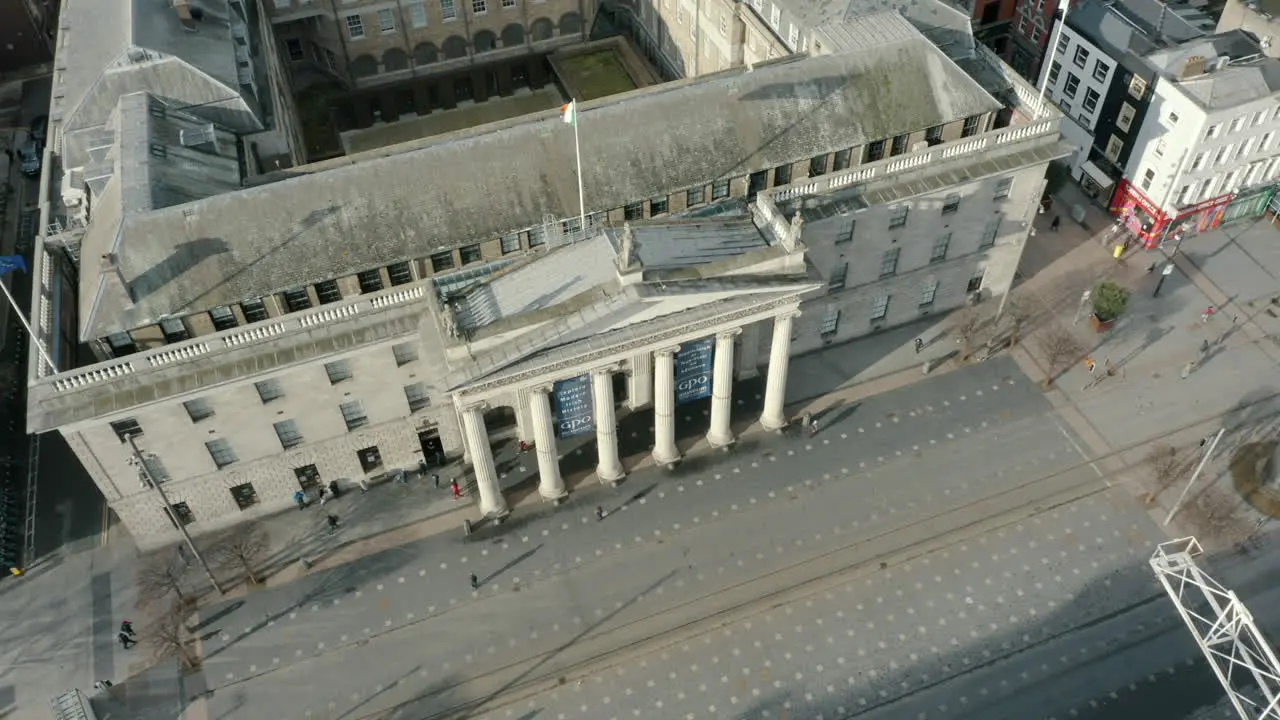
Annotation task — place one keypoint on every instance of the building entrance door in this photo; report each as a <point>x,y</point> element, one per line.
<point>432,448</point>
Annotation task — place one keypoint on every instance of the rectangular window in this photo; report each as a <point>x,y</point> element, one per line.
<point>537,237</point>
<point>479,7</point>
<point>338,371</point>
<point>970,126</point>
<point>294,47</point>
<point>404,353</point>
<point>269,390</point>
<point>695,196</point>
<point>1148,177</point>
<point>1138,88</point>
<point>719,190</point>
<point>940,246</point>
<point>837,277</point>
<point>288,433</point>
<point>1100,70</point>
<point>1160,147</point>
<point>1182,195</point>
<point>793,37</point>
<point>633,211</point>
<point>1071,86</point>
<point>418,14</point>
<point>679,14</point>
<point>975,282</point>
<point>126,428</point>
<point>830,322</point>
<point>874,151</point>
<point>898,216</point>
<point>1221,157</point>
<point>416,395</point>
<point>355,27</point>
<point>400,273</point>
<point>1004,186</point>
<point>1198,163</point>
<point>386,20</point>
<point>899,145</point>
<point>658,206</point>
<point>841,160</point>
<point>296,300</point>
<point>880,308</point>
<point>1054,71</point>
<point>510,243</point>
<point>254,310</point>
<point>223,318</point>
<point>328,292</point>
<point>121,344</point>
<point>846,232</point>
<point>1114,147</point>
<point>989,234</point>
<point>1091,98</point>
<point>198,409</point>
<point>817,166</point>
<point>775,15</point>
<point>782,175</point>
<point>512,3</point>
<point>951,203</point>
<point>370,281</point>
<point>174,330</point>
<point>1259,117</point>
<point>1081,58</point>
<point>724,23</point>
<point>928,293</point>
<point>1266,141</point>
<point>889,262</point>
<point>244,495</point>
<point>1063,42</point>
<point>447,10</point>
<point>1213,131</point>
<point>1237,124</point>
<point>180,512</point>
<point>221,452</point>
<point>1125,119</point>
<point>354,415</point>
<point>470,254</point>
<point>442,261</point>
<point>933,135</point>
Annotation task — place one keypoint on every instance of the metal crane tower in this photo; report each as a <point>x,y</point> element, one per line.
<point>1223,628</point>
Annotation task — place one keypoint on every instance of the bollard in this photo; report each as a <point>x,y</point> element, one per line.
<point>466,527</point>
<point>927,367</point>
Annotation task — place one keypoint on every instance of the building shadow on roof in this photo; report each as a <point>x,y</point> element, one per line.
<point>184,257</point>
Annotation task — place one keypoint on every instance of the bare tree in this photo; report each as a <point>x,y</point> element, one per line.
<point>167,637</point>
<point>1017,312</point>
<point>1060,348</point>
<point>159,577</point>
<point>1166,465</point>
<point>966,323</point>
<point>241,548</point>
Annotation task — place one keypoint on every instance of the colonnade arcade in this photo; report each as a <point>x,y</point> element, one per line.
<point>651,368</point>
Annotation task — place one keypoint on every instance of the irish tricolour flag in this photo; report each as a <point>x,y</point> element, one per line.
<point>569,113</point>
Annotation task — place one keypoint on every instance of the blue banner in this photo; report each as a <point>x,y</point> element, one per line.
<point>9,263</point>
<point>693,370</point>
<point>573,409</point>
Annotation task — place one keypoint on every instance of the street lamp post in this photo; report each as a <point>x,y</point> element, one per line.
<point>138,460</point>
<point>1207,453</point>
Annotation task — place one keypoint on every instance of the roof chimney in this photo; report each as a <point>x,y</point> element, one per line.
<point>1194,67</point>
<point>185,16</point>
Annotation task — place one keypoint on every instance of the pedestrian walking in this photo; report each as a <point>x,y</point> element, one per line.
<point>1186,369</point>
<point>1090,364</point>
<point>125,641</point>
<point>813,427</point>
<point>435,480</point>
<point>524,447</point>
<point>806,420</point>
<point>599,512</point>
<point>422,467</point>
<point>324,496</point>
<point>1204,347</point>
<point>364,484</point>
<point>1057,222</point>
<point>475,582</point>
<point>457,491</point>
<point>1208,313</point>
<point>127,628</point>
<point>919,345</point>
<point>335,490</point>
<point>402,477</point>
<point>333,523</point>
<point>300,498</point>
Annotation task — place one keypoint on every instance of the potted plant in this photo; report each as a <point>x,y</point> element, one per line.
<point>1109,303</point>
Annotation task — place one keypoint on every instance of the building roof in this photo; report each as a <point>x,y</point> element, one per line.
<point>110,48</point>
<point>1234,69</point>
<point>856,24</point>
<point>381,207</point>
<point>1137,26</point>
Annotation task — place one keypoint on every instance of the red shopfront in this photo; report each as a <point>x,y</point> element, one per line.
<point>1150,224</point>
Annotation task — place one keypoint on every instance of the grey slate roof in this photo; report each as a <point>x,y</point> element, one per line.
<point>850,24</point>
<point>1119,28</point>
<point>1246,74</point>
<point>383,207</point>
<point>114,47</point>
<point>666,245</point>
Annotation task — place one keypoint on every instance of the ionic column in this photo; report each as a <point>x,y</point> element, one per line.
<point>640,383</point>
<point>665,451</point>
<point>608,466</point>
<point>748,352</point>
<point>476,437</point>
<point>775,389</point>
<point>721,434</point>
<point>524,419</point>
<point>550,484</point>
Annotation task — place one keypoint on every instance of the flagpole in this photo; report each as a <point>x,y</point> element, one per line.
<point>30,333</point>
<point>577,152</point>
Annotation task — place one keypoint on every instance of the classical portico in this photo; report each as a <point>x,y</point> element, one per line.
<point>667,305</point>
